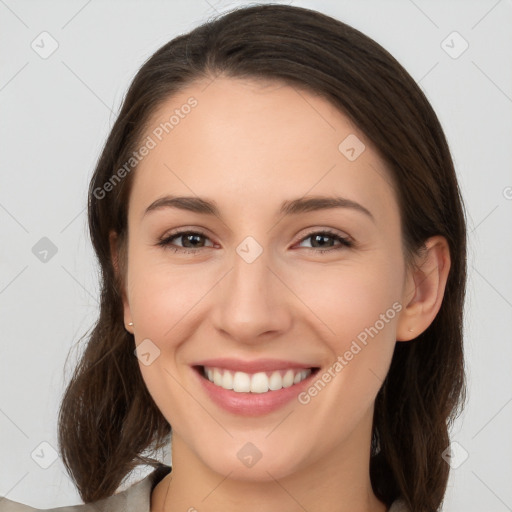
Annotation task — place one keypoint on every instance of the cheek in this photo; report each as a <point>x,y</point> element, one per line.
<point>162,304</point>
<point>162,295</point>
<point>347,301</point>
<point>356,310</point>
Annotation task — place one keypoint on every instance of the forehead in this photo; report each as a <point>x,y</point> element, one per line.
<point>251,141</point>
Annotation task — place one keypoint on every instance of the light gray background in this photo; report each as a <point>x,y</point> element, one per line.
<point>55,115</point>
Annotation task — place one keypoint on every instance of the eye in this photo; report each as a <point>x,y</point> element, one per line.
<point>191,241</point>
<point>319,238</point>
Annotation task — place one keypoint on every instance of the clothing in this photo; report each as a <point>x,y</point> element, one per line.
<point>137,498</point>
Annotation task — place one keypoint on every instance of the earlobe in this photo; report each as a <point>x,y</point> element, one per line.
<point>424,289</point>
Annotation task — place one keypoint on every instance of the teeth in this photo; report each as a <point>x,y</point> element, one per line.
<point>227,380</point>
<point>260,382</point>
<point>241,382</point>
<point>217,377</point>
<point>288,379</point>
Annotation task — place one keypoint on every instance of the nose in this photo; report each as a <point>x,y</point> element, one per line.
<point>252,303</point>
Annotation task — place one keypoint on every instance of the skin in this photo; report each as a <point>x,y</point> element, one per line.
<point>249,145</point>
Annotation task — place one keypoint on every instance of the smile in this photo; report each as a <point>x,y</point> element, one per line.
<point>252,388</point>
<point>260,382</point>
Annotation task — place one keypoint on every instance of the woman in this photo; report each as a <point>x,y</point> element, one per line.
<point>282,246</point>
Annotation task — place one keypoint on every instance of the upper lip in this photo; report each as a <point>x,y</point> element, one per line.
<point>257,365</point>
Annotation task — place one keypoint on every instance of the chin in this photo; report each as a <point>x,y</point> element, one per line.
<point>250,464</point>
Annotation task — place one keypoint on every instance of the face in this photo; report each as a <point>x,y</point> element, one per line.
<point>257,288</point>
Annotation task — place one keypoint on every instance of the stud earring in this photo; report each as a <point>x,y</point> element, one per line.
<point>130,324</point>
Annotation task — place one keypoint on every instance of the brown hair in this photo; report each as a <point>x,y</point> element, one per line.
<point>108,418</point>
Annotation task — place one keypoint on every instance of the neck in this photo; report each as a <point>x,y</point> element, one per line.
<point>339,482</point>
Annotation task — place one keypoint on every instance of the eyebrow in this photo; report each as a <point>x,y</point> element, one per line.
<point>290,207</point>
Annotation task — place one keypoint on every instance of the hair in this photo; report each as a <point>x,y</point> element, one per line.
<point>107,417</point>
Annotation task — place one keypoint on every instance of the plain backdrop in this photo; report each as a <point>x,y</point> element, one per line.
<point>56,111</point>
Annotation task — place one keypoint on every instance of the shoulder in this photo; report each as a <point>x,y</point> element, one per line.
<point>136,498</point>
<point>13,506</point>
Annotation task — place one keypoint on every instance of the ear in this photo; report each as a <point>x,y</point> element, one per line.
<point>424,289</point>
<point>114,254</point>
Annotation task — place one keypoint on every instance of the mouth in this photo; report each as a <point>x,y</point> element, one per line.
<point>256,382</point>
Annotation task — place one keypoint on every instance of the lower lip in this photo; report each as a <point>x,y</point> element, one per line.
<point>252,404</point>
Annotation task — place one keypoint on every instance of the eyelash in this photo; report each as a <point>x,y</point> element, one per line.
<point>345,242</point>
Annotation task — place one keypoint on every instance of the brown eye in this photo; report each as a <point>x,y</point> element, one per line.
<point>190,240</point>
<point>320,239</point>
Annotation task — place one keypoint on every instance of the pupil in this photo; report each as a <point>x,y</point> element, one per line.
<point>190,236</point>
<point>318,238</point>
